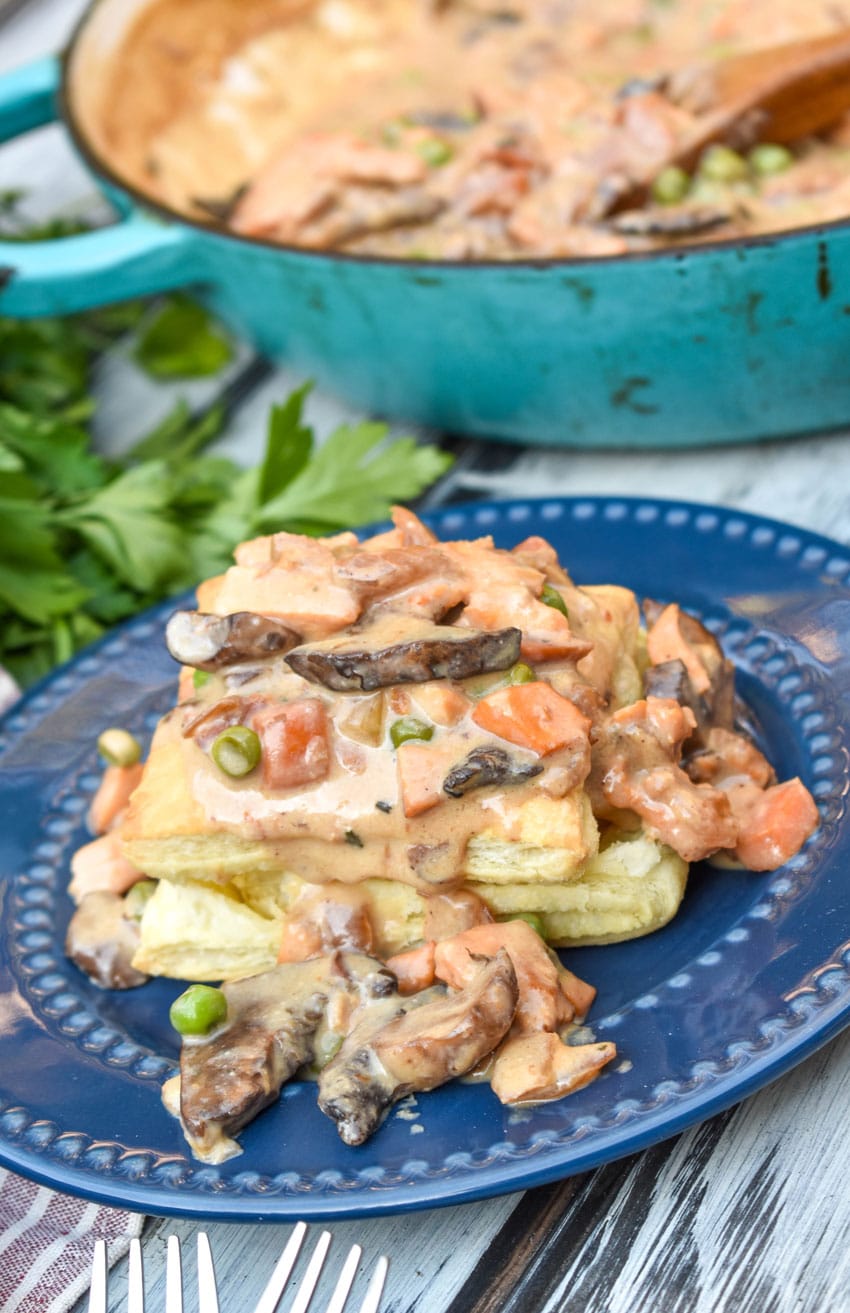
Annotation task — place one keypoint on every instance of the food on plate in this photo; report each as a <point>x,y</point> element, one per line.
<point>463,129</point>
<point>399,774</point>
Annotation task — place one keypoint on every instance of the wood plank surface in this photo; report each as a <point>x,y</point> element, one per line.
<point>751,1210</point>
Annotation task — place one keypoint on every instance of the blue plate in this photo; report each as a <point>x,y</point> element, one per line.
<point>749,979</point>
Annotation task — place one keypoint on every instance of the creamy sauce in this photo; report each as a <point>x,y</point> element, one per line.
<point>448,130</point>
<point>335,831</point>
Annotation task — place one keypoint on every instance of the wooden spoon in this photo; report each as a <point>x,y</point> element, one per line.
<point>779,94</point>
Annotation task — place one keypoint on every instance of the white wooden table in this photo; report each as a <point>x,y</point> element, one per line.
<point>751,1210</point>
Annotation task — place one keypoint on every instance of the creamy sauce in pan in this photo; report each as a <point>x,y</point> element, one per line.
<point>449,129</point>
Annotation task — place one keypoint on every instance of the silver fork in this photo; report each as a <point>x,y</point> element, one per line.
<point>207,1293</point>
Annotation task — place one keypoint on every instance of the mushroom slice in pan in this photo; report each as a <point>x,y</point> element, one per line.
<point>102,942</point>
<point>423,1046</point>
<point>209,642</point>
<point>676,223</point>
<point>401,649</point>
<point>488,765</point>
<point>226,1079</point>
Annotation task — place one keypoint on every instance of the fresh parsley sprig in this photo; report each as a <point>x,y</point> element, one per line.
<point>87,541</point>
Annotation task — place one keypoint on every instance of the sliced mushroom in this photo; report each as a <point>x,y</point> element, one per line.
<point>420,1048</point>
<point>209,642</point>
<point>102,942</point>
<point>360,210</point>
<point>401,649</point>
<point>486,766</point>
<point>226,1080</point>
<point>669,679</point>
<point>441,120</point>
<point>638,86</point>
<point>675,223</point>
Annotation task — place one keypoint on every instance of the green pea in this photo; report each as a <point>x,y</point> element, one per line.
<point>407,728</point>
<point>671,185</point>
<point>236,751</point>
<point>198,1010</point>
<point>770,158</point>
<point>201,677</point>
<point>521,674</point>
<point>137,898</point>
<point>434,152</point>
<point>722,164</point>
<point>118,747</point>
<point>551,597</point>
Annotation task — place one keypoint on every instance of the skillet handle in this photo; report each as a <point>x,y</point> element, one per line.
<point>134,257</point>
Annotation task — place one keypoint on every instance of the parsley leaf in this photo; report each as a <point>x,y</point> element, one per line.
<point>182,341</point>
<point>289,444</point>
<point>86,542</point>
<point>353,478</point>
<point>128,524</point>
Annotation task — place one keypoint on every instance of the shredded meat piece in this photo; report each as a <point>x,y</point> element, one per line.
<point>636,768</point>
<point>540,555</point>
<point>729,754</point>
<point>204,726</point>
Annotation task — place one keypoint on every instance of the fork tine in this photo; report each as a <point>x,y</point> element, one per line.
<point>173,1277</point>
<point>207,1292</point>
<point>372,1299</point>
<point>97,1293</point>
<point>346,1280</point>
<point>277,1281</point>
<point>135,1279</point>
<point>311,1276</point>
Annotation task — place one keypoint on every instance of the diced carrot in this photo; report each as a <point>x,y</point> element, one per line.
<point>777,825</point>
<point>532,716</point>
<point>440,702</point>
<point>294,736</point>
<point>112,796</point>
<point>421,771</point>
<point>665,642</point>
<point>101,865</point>
<point>542,1005</point>
<point>533,1068</point>
<point>414,970</point>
